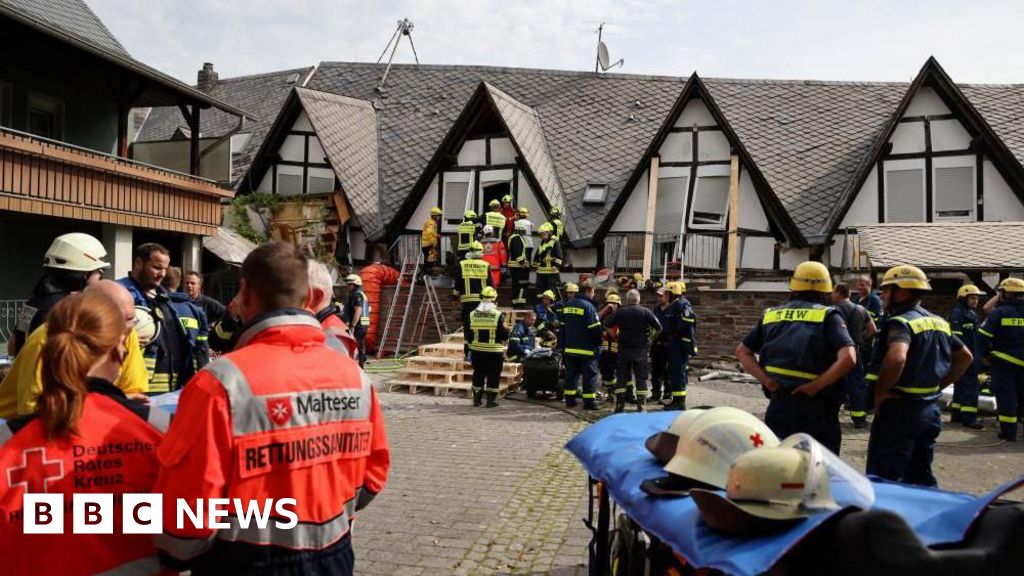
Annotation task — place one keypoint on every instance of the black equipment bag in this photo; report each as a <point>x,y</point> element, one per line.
<point>541,372</point>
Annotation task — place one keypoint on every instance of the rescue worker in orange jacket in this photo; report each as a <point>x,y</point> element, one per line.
<point>281,417</point>
<point>320,302</point>
<point>494,254</point>
<point>86,436</point>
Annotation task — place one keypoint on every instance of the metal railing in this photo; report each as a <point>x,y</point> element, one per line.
<point>698,251</point>
<point>9,310</point>
<point>408,247</point>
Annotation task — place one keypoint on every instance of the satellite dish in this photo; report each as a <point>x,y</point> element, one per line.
<point>602,56</point>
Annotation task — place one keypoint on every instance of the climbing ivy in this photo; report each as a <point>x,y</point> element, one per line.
<point>258,201</point>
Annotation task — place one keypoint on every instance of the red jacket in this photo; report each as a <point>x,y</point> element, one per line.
<point>335,326</point>
<point>496,256</point>
<point>511,216</point>
<point>114,453</point>
<point>283,416</point>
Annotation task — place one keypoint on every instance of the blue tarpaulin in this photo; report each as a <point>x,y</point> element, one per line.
<point>612,451</point>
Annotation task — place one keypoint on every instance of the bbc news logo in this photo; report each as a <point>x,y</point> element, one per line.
<point>144,513</point>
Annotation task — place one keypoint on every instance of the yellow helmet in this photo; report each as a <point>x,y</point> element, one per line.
<point>436,211</point>
<point>546,228</point>
<point>906,276</point>
<point>469,215</point>
<point>476,246</point>
<point>613,298</point>
<point>494,204</point>
<point>1012,285</point>
<point>488,293</point>
<point>674,288</point>
<point>682,287</point>
<point>811,277</point>
<point>555,212</point>
<point>968,290</point>
<point>507,198</point>
<point>524,211</point>
<point>571,288</point>
<point>548,294</point>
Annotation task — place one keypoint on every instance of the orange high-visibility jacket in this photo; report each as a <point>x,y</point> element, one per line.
<point>283,416</point>
<point>496,256</point>
<point>333,325</point>
<point>114,452</point>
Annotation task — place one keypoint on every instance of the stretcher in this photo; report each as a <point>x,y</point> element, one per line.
<point>612,452</point>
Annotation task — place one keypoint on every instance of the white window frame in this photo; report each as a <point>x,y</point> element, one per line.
<point>460,177</point>
<point>703,171</point>
<point>895,166</point>
<point>602,189</point>
<point>955,162</point>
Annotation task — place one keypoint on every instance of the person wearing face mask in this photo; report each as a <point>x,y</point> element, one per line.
<point>85,436</point>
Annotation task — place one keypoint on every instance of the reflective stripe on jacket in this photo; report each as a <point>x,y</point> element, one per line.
<point>474,274</point>
<point>1002,334</point>
<point>929,357</point>
<point>466,233</point>
<point>487,331</point>
<point>794,349</point>
<point>581,328</point>
<point>549,257</point>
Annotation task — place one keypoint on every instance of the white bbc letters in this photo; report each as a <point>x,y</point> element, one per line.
<point>142,514</point>
<point>93,514</point>
<point>44,513</point>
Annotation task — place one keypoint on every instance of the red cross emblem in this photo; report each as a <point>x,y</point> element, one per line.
<point>35,472</point>
<point>279,410</point>
<point>756,440</point>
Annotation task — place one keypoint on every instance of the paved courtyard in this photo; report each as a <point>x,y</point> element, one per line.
<point>477,491</point>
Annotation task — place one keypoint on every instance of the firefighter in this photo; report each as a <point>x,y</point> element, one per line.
<point>609,355</point>
<point>72,262</point>
<point>430,241</point>
<point>81,412</point>
<point>548,324</point>
<point>803,348</point>
<point>521,340</point>
<point>549,260</point>
<point>487,337</point>
<point>526,229</point>
<point>557,226</point>
<point>472,275</point>
<point>510,214</point>
<point>1002,338</point>
<point>659,349</point>
<point>914,358</point>
<point>862,329</point>
<point>181,347</point>
<point>494,254</point>
<point>466,233</point>
<point>493,217</point>
<point>964,324</point>
<point>582,341</point>
<point>246,427</point>
<point>356,314</point>
<point>681,325</point>
<point>519,263</point>
<point>636,326</point>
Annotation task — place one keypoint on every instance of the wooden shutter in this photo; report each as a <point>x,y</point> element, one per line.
<point>671,202</point>
<point>954,192</point>
<point>904,195</point>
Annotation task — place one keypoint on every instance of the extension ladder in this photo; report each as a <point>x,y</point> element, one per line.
<point>399,308</point>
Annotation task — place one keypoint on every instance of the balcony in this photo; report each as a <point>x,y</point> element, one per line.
<point>49,178</point>
<point>694,252</point>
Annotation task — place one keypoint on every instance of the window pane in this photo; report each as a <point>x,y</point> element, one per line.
<point>710,200</point>
<point>289,184</point>
<point>954,192</point>
<point>595,193</point>
<point>904,195</point>
<point>320,185</point>
<point>668,215</point>
<point>455,199</point>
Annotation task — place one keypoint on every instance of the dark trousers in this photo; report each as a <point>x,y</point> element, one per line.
<point>487,371</point>
<point>857,393</point>
<point>1007,384</point>
<point>902,443</point>
<point>818,416</point>
<point>632,366</point>
<point>359,333</point>
<point>678,358</point>
<point>467,309</point>
<point>576,367</point>
<point>520,280</point>
<point>606,364</point>
<point>547,282</point>
<point>965,397</point>
<point>659,367</point>
<point>245,558</point>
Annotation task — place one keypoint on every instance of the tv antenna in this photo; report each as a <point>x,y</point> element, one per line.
<point>403,29</point>
<point>603,63</point>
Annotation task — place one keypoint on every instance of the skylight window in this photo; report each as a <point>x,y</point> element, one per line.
<point>595,194</point>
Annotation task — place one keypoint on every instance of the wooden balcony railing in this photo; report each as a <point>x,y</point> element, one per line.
<point>40,176</point>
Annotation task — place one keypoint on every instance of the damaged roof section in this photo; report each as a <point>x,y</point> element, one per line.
<point>347,129</point>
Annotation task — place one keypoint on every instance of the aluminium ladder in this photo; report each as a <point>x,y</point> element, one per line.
<point>406,279</point>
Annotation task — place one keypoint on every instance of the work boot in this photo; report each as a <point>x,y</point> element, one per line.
<point>655,395</point>
<point>591,405</point>
<point>570,401</point>
<point>860,423</point>
<point>492,400</point>
<point>478,397</point>
<point>955,416</point>
<point>641,405</point>
<point>677,403</point>
<point>973,425</point>
<point>620,403</point>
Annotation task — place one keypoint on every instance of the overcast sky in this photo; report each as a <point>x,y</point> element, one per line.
<point>975,40</point>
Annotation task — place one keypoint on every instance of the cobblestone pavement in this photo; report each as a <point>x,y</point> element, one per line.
<point>476,491</point>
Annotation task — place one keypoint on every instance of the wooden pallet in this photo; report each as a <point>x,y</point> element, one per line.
<point>434,363</point>
<point>464,389</point>
<point>444,349</point>
<point>455,338</point>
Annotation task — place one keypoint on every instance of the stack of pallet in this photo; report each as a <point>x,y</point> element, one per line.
<point>442,368</point>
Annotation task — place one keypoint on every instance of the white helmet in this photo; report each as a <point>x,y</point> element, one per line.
<point>488,230</point>
<point>765,487</point>
<point>146,325</point>
<point>77,252</point>
<point>354,279</point>
<point>712,442</point>
<point>663,445</point>
<point>524,225</point>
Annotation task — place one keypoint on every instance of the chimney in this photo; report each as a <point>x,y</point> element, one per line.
<point>207,78</point>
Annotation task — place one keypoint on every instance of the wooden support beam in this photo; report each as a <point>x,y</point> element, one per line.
<point>734,219</point>
<point>652,202</point>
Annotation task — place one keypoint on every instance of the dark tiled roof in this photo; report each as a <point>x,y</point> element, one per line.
<point>524,126</point>
<point>928,245</point>
<point>594,130</point>
<point>71,17</point>
<point>1002,106</point>
<point>347,129</point>
<point>808,138</point>
<point>262,95</point>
